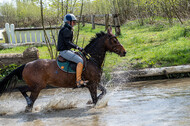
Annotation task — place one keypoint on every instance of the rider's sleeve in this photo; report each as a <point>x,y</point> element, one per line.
<point>68,38</point>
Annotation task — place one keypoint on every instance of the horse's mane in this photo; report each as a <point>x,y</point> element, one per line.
<point>98,35</point>
<point>94,39</point>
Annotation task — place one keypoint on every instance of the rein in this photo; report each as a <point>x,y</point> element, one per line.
<point>89,57</point>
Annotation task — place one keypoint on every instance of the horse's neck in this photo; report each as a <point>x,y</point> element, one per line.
<point>97,52</point>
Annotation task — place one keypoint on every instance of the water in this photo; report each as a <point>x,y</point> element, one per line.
<point>148,103</point>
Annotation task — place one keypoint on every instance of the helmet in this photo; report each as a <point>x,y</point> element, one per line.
<point>69,17</point>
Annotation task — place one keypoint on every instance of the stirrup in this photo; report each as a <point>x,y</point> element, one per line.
<point>79,84</point>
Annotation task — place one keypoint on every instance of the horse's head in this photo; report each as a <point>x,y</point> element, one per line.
<point>113,45</point>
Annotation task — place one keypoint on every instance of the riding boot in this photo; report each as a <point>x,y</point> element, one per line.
<point>79,81</point>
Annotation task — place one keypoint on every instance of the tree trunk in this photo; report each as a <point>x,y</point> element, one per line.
<point>140,18</point>
<point>116,24</point>
<point>92,20</point>
<point>62,10</point>
<point>45,35</point>
<point>66,9</point>
<point>83,20</point>
<point>79,21</point>
<point>175,11</point>
<point>106,21</point>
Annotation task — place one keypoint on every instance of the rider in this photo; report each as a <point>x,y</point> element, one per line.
<point>65,44</point>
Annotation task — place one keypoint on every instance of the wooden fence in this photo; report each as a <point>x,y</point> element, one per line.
<point>106,20</point>
<point>25,35</point>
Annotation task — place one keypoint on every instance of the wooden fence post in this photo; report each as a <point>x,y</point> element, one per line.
<point>12,33</point>
<point>8,32</point>
<point>83,20</point>
<point>106,21</point>
<point>92,20</point>
<point>116,24</point>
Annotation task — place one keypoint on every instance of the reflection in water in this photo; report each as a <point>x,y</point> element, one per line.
<point>148,103</point>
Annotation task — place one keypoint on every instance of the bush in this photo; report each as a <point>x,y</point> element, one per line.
<point>157,27</point>
<point>7,69</point>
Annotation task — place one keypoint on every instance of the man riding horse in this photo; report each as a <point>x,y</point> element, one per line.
<point>65,44</point>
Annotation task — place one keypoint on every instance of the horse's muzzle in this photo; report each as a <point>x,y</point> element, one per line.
<point>122,54</point>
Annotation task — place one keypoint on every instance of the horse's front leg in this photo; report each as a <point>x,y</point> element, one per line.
<point>93,92</point>
<point>103,89</point>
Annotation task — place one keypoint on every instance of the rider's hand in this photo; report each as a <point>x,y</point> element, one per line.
<point>80,49</point>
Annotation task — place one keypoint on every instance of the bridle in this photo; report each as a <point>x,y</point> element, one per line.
<point>118,44</point>
<point>88,56</point>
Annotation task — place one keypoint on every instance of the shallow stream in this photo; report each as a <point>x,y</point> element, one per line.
<point>147,103</point>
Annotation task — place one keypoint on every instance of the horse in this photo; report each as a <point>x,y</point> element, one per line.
<point>39,73</point>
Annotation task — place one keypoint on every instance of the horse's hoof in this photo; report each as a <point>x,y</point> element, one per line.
<point>89,102</point>
<point>28,109</point>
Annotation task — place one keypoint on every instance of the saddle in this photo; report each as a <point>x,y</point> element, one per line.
<point>68,66</point>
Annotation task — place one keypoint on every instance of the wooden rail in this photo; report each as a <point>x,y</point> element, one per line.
<point>24,35</point>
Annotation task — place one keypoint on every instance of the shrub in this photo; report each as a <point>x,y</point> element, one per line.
<point>7,69</point>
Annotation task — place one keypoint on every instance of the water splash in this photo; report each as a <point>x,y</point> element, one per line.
<point>10,105</point>
<point>59,101</point>
<point>104,101</point>
<point>114,85</point>
<point>56,104</point>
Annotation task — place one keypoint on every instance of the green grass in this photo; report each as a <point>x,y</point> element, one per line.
<point>2,41</point>
<point>157,48</point>
<point>151,45</point>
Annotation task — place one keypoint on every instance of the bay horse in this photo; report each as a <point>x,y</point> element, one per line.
<point>42,72</point>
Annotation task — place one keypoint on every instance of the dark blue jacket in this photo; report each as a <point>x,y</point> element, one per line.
<point>65,38</point>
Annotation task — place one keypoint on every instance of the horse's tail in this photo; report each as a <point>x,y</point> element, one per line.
<point>10,79</point>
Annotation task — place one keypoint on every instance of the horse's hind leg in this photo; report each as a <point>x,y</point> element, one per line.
<point>33,97</point>
<point>23,90</point>
<point>30,100</point>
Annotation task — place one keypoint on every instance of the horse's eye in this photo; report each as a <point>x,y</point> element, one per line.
<point>115,41</point>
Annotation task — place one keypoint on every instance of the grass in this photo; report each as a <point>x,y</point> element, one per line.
<point>2,41</point>
<point>151,45</point>
<point>159,48</point>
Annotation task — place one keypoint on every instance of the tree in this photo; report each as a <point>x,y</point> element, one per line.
<point>8,12</point>
<point>45,35</point>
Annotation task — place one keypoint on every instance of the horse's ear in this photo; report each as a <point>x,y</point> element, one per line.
<point>109,30</point>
